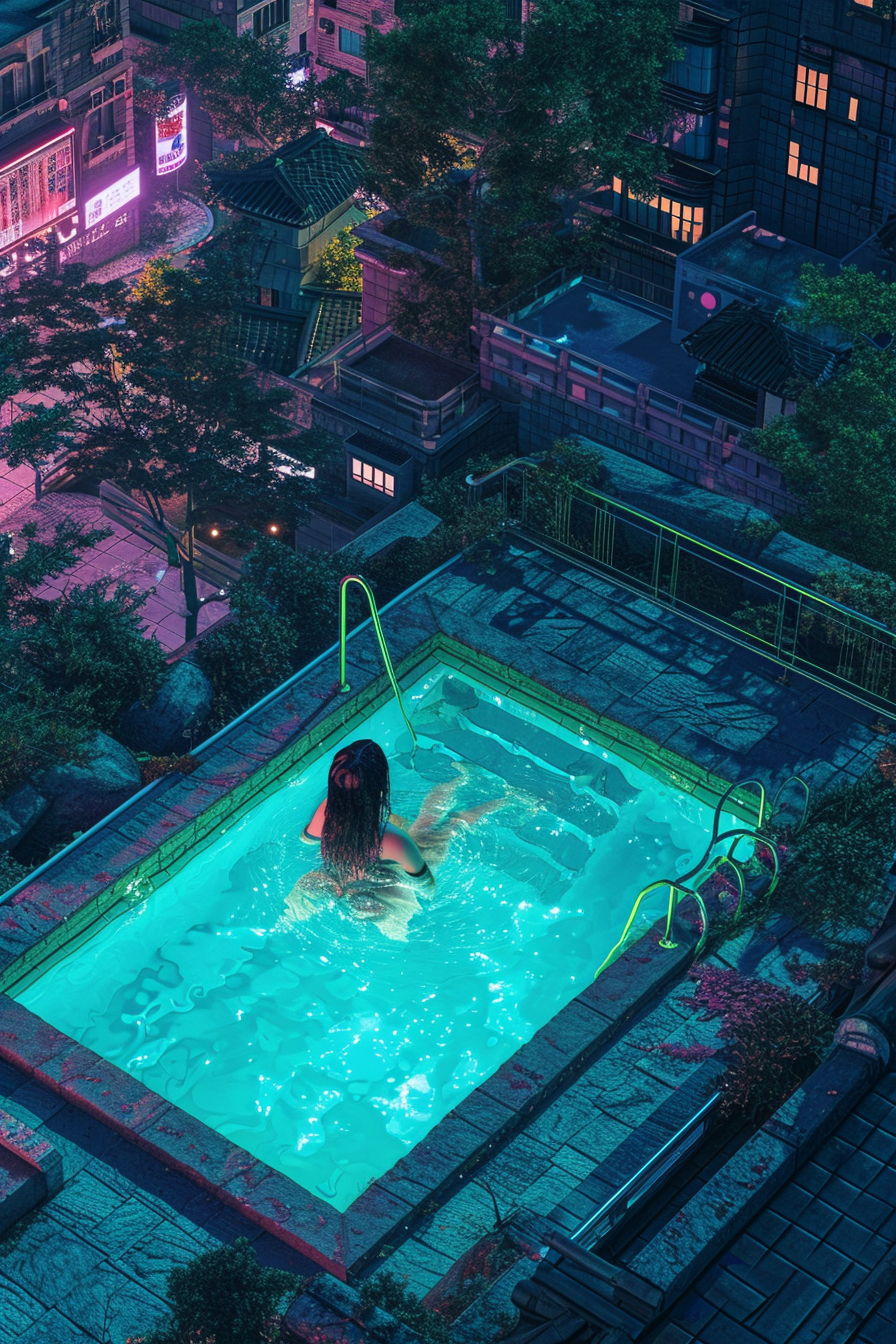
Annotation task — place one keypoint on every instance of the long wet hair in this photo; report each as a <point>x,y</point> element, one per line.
<point>357,810</point>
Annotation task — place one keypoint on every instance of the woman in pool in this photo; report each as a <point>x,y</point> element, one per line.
<point>378,861</point>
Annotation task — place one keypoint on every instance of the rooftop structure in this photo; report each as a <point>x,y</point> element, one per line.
<point>739,261</point>
<point>614,329</point>
<point>751,364</point>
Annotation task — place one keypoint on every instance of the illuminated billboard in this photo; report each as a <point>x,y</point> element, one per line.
<point>171,139</point>
<point>37,187</point>
<point>112,198</point>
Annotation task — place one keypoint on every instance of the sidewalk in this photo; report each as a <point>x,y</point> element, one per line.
<point>121,558</point>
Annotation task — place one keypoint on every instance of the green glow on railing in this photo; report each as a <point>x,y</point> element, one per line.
<point>344,686</point>
<point>689,883</point>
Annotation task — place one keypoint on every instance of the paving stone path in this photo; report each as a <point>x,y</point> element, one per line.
<point>89,1265</point>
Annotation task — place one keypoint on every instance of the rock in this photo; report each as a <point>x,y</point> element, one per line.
<point>182,703</point>
<point>81,794</point>
<point>19,813</point>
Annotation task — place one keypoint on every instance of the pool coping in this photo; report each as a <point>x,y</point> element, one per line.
<point>162,835</point>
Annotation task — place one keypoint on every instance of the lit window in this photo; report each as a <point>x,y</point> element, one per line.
<point>351,43</point>
<point>365,473</point>
<point>795,168</point>
<point>811,87</point>
<point>662,214</point>
<point>853,113</point>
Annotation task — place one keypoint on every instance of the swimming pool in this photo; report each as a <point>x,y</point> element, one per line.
<point>327,1045</point>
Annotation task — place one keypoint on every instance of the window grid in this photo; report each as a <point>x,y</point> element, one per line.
<point>367,474</point>
<point>663,214</point>
<point>352,43</point>
<point>812,87</point>
<point>804,171</point>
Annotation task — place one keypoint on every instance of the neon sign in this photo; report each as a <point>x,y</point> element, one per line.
<point>112,198</point>
<point>171,139</point>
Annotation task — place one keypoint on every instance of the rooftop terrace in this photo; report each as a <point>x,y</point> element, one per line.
<point>615,330</point>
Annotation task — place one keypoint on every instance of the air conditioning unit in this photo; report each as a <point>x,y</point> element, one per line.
<point>327,26</point>
<point>884,142</point>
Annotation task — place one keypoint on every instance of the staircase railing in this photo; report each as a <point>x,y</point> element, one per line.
<point>344,685</point>
<point>689,883</point>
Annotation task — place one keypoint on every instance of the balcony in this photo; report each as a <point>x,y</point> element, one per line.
<point>106,44</point>
<point>105,150</point>
<point>45,96</point>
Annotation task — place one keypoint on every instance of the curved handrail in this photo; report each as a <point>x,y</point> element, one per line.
<point>680,884</point>
<point>344,686</point>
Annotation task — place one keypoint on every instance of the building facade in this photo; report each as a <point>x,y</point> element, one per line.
<point>67,160</point>
<point>291,18</point>
<point>788,109</point>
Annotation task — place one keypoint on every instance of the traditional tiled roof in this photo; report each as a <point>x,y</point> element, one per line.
<point>270,339</point>
<point>283,339</point>
<point>337,315</point>
<point>298,184</point>
<point>746,343</point>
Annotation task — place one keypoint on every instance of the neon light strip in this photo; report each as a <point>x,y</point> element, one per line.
<point>23,158</point>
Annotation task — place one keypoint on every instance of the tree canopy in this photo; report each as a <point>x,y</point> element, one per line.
<point>838,451</point>
<point>156,398</point>
<point>247,87</point>
<point>541,112</point>
<point>254,91</point>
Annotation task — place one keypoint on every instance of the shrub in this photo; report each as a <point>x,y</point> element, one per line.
<point>388,1292</point>
<point>832,883</point>
<point>842,967</point>
<point>224,1297</point>
<point>774,1039</point>
<point>91,642</point>
<point>286,611</point>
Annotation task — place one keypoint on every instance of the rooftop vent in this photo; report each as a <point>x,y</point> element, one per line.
<point>763,238</point>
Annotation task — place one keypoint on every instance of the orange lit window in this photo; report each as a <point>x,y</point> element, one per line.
<point>367,474</point>
<point>801,170</point>
<point>853,113</point>
<point>812,87</point>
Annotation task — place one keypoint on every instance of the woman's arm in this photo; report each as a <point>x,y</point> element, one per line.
<point>398,847</point>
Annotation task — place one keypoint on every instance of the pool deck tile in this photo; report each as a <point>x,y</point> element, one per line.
<point>447,1151</point>
<point>193,1146</point>
<point>280,1206</point>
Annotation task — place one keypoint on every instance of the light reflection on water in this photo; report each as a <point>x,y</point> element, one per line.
<point>326,1044</point>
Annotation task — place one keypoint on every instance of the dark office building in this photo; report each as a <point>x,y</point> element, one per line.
<point>785,107</point>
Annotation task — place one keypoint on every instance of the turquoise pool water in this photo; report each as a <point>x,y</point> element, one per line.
<point>325,1043</point>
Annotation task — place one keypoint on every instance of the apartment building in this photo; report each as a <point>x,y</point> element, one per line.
<point>67,165</point>
<point>292,18</point>
<point>785,107</point>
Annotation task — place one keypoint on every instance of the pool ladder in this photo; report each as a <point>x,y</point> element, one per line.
<point>689,883</point>
<point>344,685</point>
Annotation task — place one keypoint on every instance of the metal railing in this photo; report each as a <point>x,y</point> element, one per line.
<point>604,1221</point>
<point>111,143</point>
<point>344,686</point>
<point>42,97</point>
<point>798,628</point>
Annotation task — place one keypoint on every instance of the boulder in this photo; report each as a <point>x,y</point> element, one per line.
<point>82,793</point>
<point>18,814</point>
<point>181,704</point>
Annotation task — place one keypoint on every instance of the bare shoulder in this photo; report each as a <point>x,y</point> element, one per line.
<point>398,847</point>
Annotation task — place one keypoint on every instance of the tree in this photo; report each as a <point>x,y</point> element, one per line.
<point>38,726</point>
<point>159,402</point>
<point>545,111</point>
<point>336,265</point>
<point>247,87</point>
<point>838,451</point>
